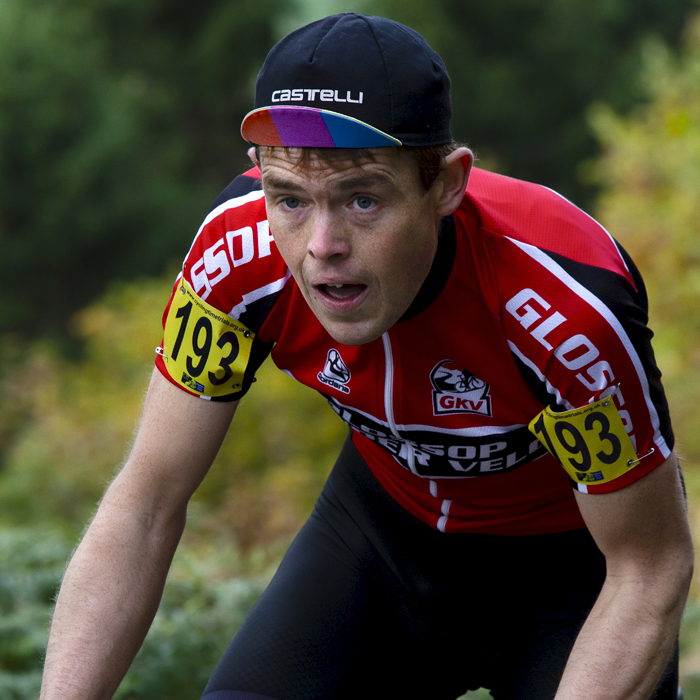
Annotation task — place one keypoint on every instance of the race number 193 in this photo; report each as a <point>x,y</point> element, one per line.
<point>591,442</point>
<point>204,350</point>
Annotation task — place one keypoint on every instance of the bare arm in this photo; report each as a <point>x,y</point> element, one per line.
<point>627,639</point>
<point>114,582</point>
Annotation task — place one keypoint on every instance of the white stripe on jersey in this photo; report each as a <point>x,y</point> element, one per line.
<point>445,510</point>
<point>555,269</point>
<point>239,309</point>
<point>480,431</point>
<point>224,206</point>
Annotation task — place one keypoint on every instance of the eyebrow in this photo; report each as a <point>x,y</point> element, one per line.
<point>351,183</point>
<point>279,183</point>
<point>368,180</point>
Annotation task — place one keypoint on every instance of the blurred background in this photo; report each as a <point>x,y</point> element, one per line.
<point>119,125</point>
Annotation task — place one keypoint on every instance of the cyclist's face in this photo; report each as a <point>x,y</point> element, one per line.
<point>358,238</point>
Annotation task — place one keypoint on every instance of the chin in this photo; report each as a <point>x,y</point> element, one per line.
<point>353,334</point>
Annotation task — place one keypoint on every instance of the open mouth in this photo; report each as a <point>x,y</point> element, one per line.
<point>341,292</point>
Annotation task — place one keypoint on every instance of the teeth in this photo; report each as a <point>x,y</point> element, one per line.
<point>338,286</point>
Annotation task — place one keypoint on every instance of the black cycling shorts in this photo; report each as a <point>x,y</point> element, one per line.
<point>370,601</point>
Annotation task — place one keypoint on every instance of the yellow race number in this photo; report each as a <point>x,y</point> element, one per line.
<point>204,350</point>
<point>590,442</point>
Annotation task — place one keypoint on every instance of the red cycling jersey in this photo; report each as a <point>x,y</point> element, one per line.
<point>529,303</point>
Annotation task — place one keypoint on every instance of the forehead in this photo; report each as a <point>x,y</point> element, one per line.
<point>336,166</point>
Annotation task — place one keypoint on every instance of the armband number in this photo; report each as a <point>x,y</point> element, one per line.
<point>590,442</point>
<point>203,349</point>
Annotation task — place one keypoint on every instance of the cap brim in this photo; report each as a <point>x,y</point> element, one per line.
<point>308,127</point>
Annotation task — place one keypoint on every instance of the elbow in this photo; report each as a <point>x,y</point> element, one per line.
<point>674,579</point>
<point>686,560</point>
<point>658,580</point>
<point>687,568</point>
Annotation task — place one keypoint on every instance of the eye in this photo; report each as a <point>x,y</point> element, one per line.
<point>364,202</point>
<point>291,203</point>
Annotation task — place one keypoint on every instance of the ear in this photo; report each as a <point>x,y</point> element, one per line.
<point>454,177</point>
<point>253,156</point>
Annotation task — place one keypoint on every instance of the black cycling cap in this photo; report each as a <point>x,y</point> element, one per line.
<point>351,81</point>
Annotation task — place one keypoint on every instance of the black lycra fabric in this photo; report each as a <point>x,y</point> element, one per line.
<point>369,601</point>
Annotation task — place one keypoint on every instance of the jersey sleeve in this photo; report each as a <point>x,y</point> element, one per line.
<point>576,323</point>
<point>211,346</point>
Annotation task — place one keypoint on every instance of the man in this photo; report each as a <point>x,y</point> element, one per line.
<point>488,349</point>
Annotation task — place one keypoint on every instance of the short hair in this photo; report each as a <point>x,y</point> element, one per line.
<point>428,159</point>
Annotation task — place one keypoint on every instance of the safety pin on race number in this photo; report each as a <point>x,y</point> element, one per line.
<point>632,462</point>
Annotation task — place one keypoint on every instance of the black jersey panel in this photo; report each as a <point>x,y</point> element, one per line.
<point>537,386</point>
<point>256,312</point>
<point>440,270</point>
<point>629,306</point>
<point>238,187</point>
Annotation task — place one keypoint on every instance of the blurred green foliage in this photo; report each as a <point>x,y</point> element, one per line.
<point>119,118</point>
<point>204,603</point>
<point>118,126</point>
<point>31,565</point>
<point>70,423</point>
<point>690,651</point>
<point>650,173</point>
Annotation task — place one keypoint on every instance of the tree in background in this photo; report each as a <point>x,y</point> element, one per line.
<point>118,127</point>
<point>119,118</point>
<point>650,172</point>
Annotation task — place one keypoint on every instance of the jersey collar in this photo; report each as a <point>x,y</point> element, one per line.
<point>439,272</point>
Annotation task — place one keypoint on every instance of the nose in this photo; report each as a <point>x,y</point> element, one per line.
<point>328,238</point>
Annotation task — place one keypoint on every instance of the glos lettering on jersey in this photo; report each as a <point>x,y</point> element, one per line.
<point>577,353</point>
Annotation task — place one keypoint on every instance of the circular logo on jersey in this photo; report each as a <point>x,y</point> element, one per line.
<point>457,390</point>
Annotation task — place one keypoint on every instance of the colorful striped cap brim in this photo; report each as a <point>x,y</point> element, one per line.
<point>309,127</point>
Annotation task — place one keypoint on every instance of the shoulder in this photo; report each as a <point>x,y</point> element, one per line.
<point>571,305</point>
<point>233,256</point>
<point>510,212</point>
<point>241,186</point>
<point>241,200</point>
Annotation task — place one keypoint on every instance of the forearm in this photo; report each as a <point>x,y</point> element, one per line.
<point>625,643</point>
<point>109,596</point>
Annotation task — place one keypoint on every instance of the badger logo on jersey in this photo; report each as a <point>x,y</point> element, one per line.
<point>457,390</point>
<point>335,372</point>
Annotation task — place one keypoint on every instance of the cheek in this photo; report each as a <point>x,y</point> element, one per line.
<point>408,261</point>
<point>419,242</point>
<point>286,242</point>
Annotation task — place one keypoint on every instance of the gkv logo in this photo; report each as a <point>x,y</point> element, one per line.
<point>335,372</point>
<point>457,390</point>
